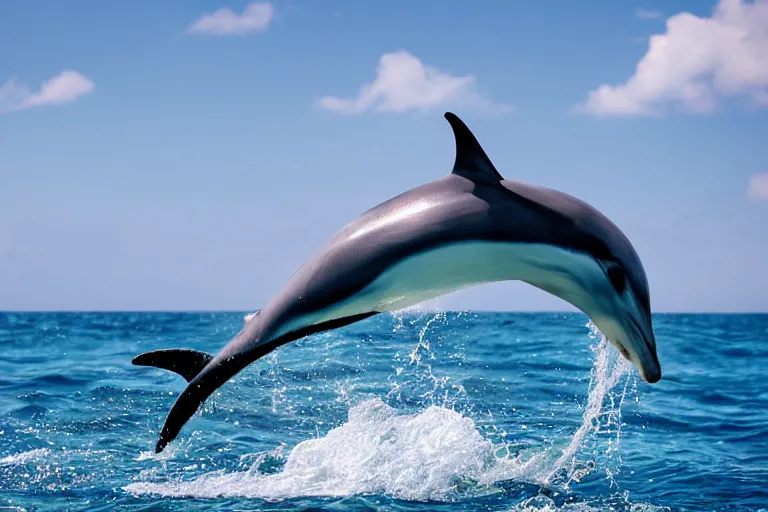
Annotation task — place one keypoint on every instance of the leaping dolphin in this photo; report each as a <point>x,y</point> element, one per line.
<point>467,228</point>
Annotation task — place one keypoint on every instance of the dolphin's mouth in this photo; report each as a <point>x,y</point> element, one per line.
<point>647,364</point>
<point>647,361</point>
<point>651,373</point>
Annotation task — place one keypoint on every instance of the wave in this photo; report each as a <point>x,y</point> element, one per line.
<point>24,457</point>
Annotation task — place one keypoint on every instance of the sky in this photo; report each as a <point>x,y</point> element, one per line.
<point>192,155</point>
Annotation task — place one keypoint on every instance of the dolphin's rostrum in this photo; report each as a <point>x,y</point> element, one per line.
<point>467,228</point>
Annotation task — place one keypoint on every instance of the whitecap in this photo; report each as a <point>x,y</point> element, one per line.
<point>23,457</point>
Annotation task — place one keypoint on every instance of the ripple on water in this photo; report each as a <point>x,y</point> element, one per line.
<point>412,411</point>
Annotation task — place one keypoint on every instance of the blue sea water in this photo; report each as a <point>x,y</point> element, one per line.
<point>439,411</point>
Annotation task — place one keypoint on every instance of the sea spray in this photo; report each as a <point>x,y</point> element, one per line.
<point>434,454</point>
<point>422,456</point>
<point>601,416</point>
<point>413,379</point>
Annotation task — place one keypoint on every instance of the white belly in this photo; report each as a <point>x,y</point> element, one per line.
<point>450,268</point>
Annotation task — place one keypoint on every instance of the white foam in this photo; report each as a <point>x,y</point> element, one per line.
<point>417,457</point>
<point>23,457</point>
<point>545,504</point>
<point>436,454</point>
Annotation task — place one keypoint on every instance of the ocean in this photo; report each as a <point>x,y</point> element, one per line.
<point>434,411</point>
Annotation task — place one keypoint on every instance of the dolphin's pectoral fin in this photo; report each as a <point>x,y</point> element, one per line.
<point>471,161</point>
<point>184,361</point>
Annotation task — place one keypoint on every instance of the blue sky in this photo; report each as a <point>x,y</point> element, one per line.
<point>169,155</point>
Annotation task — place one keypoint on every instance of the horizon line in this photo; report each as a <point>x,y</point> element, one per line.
<point>409,310</point>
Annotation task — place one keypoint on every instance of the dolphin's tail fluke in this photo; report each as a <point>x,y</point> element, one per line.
<point>250,344</point>
<point>208,380</point>
<point>184,361</point>
<point>204,373</point>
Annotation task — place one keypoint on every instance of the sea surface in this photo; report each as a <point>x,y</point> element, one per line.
<point>437,411</point>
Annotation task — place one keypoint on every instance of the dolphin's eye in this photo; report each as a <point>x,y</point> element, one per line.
<point>616,276</point>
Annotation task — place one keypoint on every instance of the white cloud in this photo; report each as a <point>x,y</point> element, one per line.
<point>403,83</point>
<point>758,187</point>
<point>647,14</point>
<point>696,61</point>
<point>256,17</point>
<point>64,88</point>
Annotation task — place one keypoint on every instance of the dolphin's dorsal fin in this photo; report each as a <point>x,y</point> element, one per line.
<point>471,161</point>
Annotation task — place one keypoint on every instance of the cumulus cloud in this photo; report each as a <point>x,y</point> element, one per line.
<point>647,14</point>
<point>64,88</point>
<point>256,17</point>
<point>403,83</point>
<point>758,187</point>
<point>694,63</point>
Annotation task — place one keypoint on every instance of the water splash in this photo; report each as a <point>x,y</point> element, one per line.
<point>429,455</point>
<point>434,454</point>
<point>593,446</point>
<point>599,417</point>
<point>413,379</point>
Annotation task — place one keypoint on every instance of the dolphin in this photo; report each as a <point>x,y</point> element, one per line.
<point>470,227</point>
